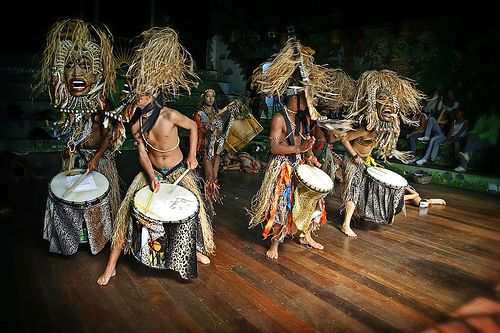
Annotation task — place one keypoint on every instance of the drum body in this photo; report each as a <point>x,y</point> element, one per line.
<point>80,215</point>
<point>164,234</point>
<point>311,185</point>
<point>243,129</point>
<point>384,195</point>
<point>313,178</point>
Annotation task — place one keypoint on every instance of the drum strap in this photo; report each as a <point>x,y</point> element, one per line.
<point>289,129</point>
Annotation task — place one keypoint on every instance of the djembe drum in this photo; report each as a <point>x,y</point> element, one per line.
<point>78,213</point>
<point>311,185</point>
<point>165,226</point>
<point>385,194</point>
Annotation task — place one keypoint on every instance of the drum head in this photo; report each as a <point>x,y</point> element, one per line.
<point>170,204</point>
<point>387,176</point>
<point>314,177</point>
<point>93,186</point>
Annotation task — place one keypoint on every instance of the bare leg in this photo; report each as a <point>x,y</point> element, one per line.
<point>110,270</point>
<point>208,168</point>
<point>308,240</point>
<point>346,226</point>
<point>215,167</point>
<point>202,258</point>
<point>272,252</point>
<point>413,199</point>
<point>436,202</point>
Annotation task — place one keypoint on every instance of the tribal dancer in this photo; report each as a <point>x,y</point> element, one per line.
<point>382,99</point>
<point>78,71</point>
<point>155,129</point>
<point>279,204</point>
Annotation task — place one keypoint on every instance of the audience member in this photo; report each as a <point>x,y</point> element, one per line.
<point>456,130</point>
<point>484,134</point>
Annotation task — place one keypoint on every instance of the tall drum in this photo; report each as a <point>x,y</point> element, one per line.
<point>385,194</point>
<point>312,185</point>
<point>165,227</point>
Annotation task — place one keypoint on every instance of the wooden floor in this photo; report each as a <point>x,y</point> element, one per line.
<point>407,277</point>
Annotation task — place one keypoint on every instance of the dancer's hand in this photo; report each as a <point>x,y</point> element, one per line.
<point>155,184</point>
<point>192,162</point>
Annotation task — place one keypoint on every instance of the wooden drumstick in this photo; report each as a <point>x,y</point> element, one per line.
<point>170,190</point>
<point>76,183</point>
<point>149,201</point>
<point>177,181</point>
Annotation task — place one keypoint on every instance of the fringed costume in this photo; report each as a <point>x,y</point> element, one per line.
<point>78,70</point>
<point>374,203</point>
<point>183,239</point>
<point>280,202</point>
<point>382,98</point>
<point>284,199</point>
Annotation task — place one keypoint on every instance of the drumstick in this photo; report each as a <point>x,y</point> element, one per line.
<point>170,190</point>
<point>181,176</point>
<point>149,201</point>
<point>177,181</point>
<point>76,182</point>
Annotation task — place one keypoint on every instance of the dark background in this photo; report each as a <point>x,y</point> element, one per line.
<point>26,24</point>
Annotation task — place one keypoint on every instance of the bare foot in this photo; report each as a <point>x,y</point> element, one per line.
<point>437,202</point>
<point>202,258</point>
<point>307,240</point>
<point>105,277</point>
<point>348,231</point>
<point>272,252</point>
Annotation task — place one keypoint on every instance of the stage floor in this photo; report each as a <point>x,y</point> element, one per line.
<point>431,269</point>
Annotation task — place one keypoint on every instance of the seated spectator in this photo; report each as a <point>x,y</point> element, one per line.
<point>417,133</point>
<point>432,129</point>
<point>432,103</point>
<point>456,130</point>
<point>484,134</point>
<point>446,108</point>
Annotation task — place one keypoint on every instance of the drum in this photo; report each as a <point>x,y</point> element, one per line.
<point>386,178</point>
<point>166,227</point>
<point>78,211</point>
<point>92,189</point>
<point>385,198</point>
<point>313,178</point>
<point>244,128</point>
<point>311,186</point>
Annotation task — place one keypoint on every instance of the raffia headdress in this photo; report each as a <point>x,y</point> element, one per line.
<point>406,102</point>
<point>294,63</point>
<point>162,65</point>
